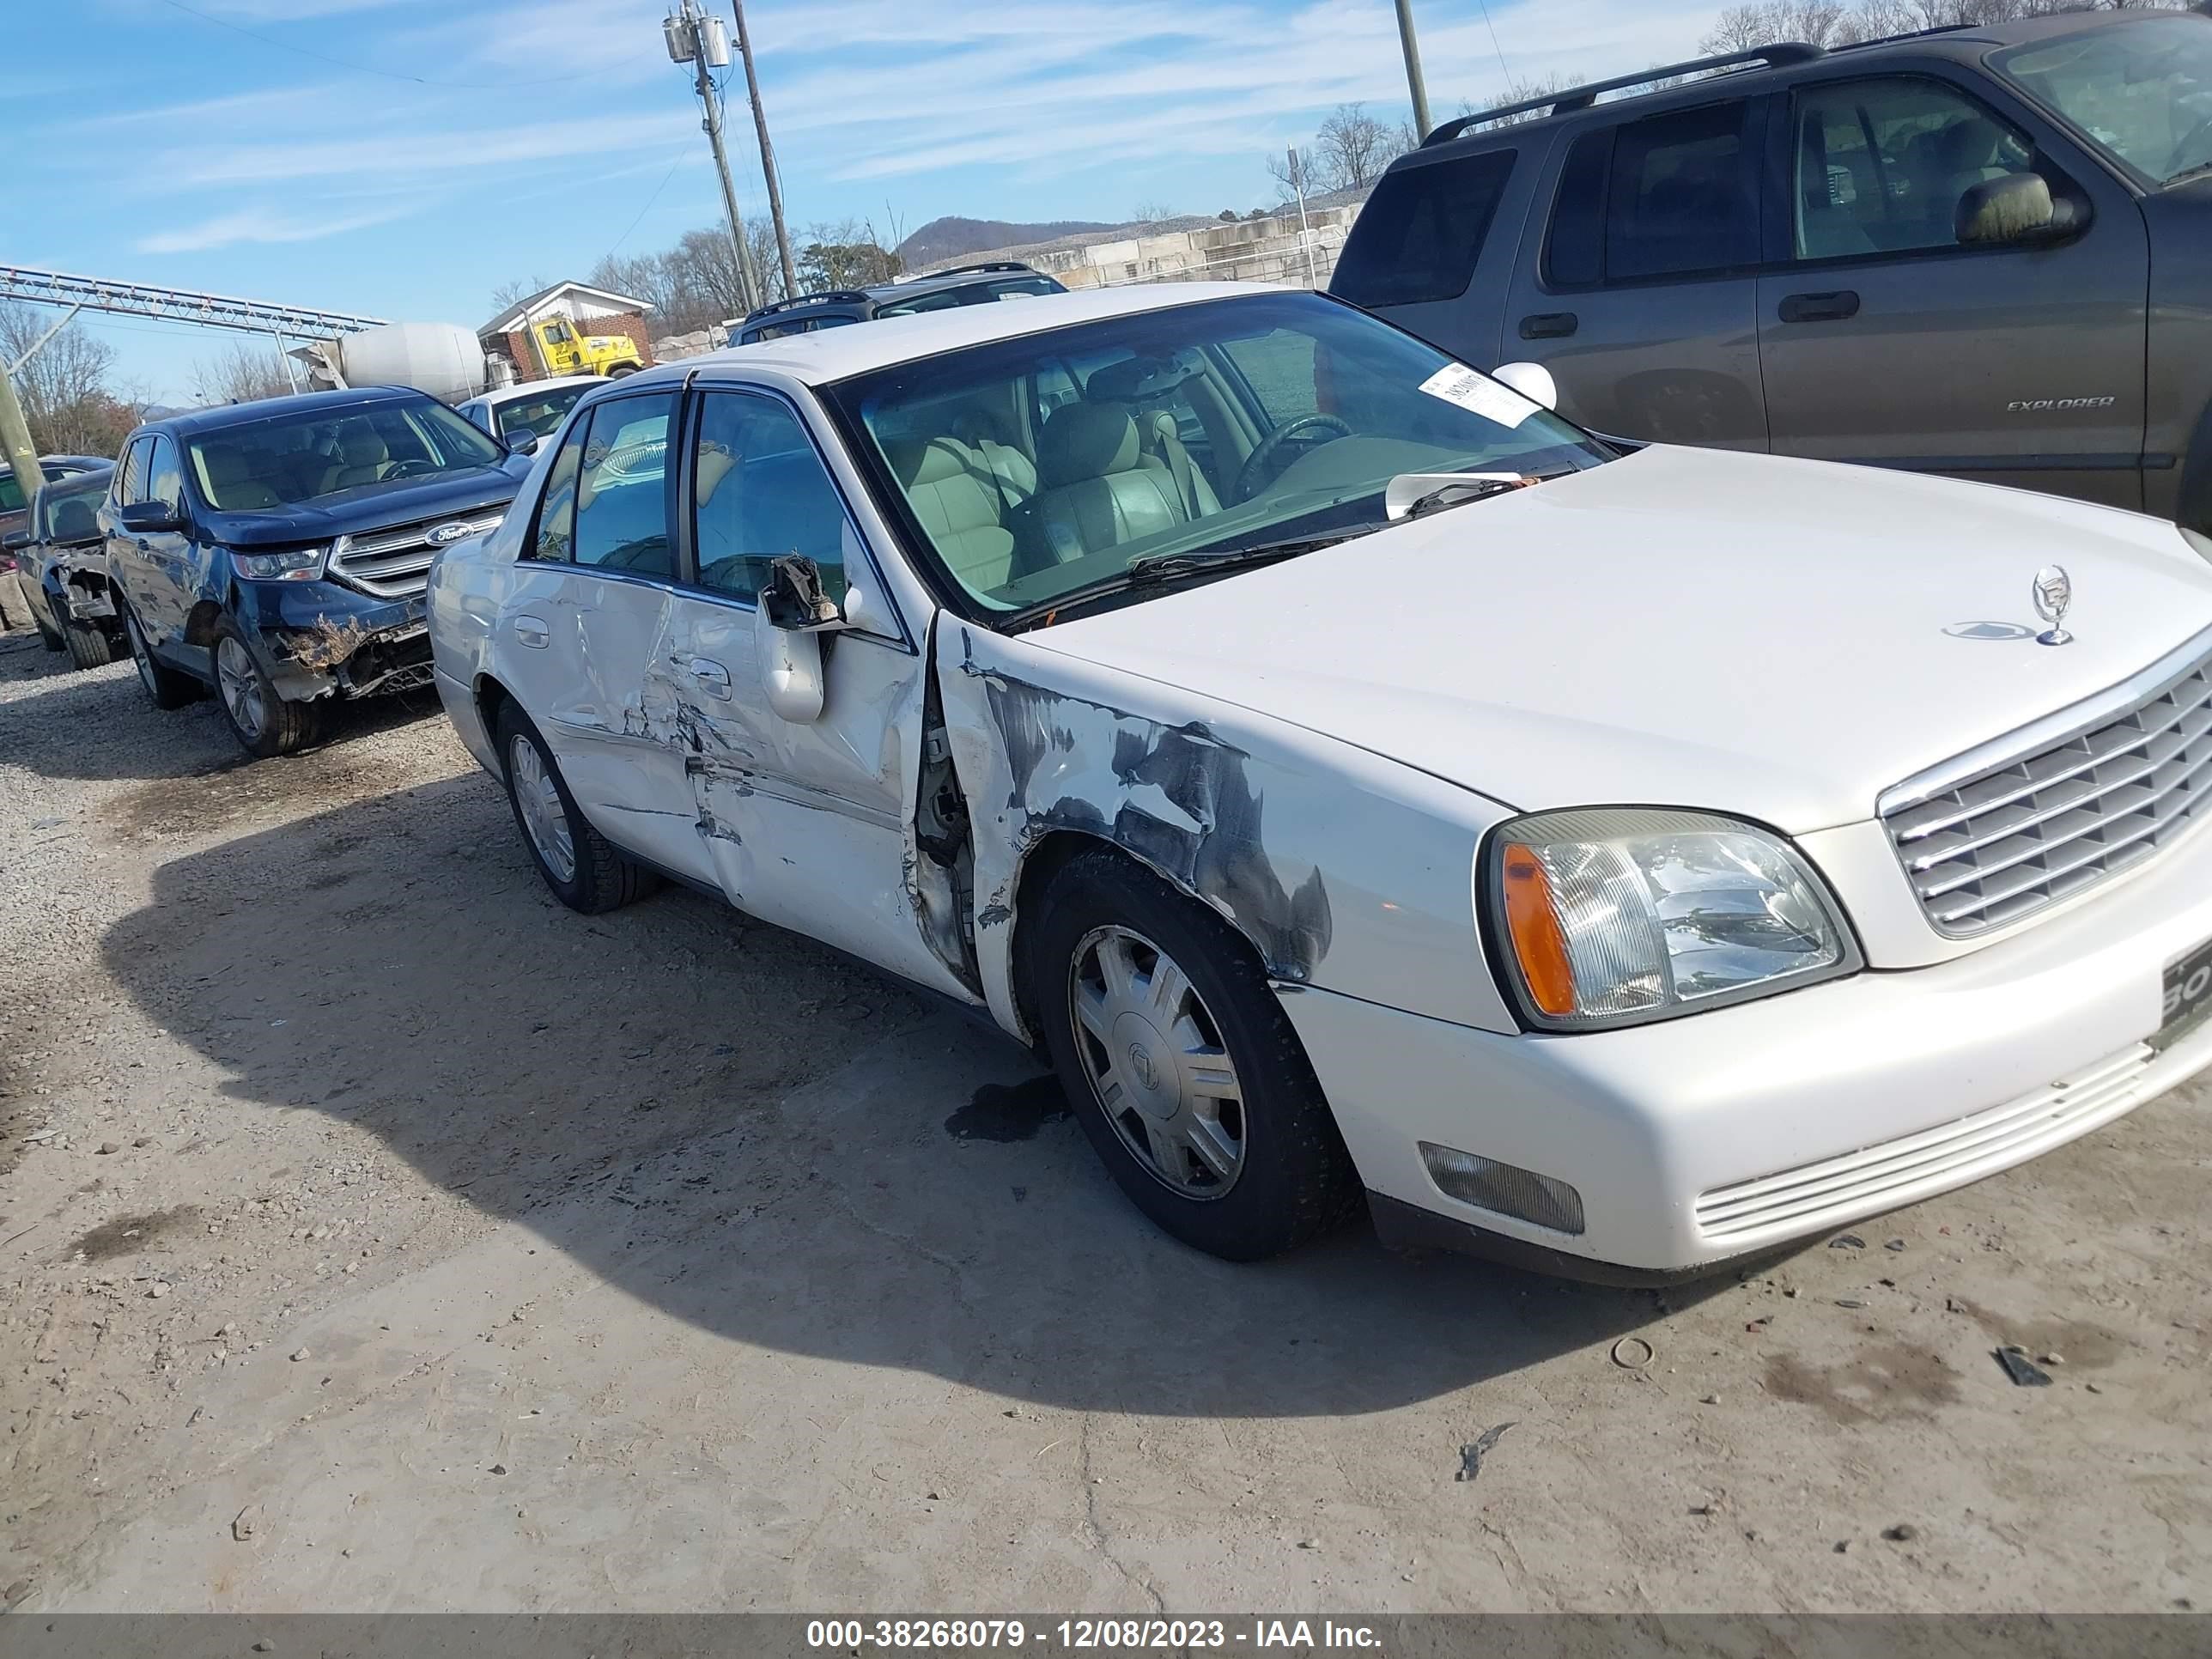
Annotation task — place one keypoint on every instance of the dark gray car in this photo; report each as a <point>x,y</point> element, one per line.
<point>1981,252</point>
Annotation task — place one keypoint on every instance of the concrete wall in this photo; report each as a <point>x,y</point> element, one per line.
<point>1243,249</point>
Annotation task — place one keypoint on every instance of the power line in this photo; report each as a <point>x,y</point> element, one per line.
<point>365,69</point>
<point>649,201</point>
<point>1494,46</point>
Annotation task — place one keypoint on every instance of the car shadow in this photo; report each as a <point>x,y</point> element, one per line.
<point>97,725</point>
<point>752,1134</point>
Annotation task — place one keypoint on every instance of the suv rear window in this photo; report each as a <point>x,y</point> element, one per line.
<point>1421,231</point>
<point>1664,197</point>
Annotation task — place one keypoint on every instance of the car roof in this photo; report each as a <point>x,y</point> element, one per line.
<point>495,395</point>
<point>834,354</point>
<point>1959,43</point>
<point>217,418</point>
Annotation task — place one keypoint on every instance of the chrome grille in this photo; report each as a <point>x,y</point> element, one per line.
<point>2007,840</point>
<point>395,562</point>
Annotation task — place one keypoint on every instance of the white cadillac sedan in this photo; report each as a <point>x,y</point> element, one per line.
<point>1362,783</point>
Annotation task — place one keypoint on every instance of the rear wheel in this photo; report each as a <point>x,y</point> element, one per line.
<point>578,863</point>
<point>264,722</point>
<point>1181,1067</point>
<point>167,687</point>
<point>89,646</point>
<point>620,369</point>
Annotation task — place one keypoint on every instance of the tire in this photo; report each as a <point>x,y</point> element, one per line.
<point>619,370</point>
<point>265,724</point>
<point>1245,1174</point>
<point>47,635</point>
<point>167,687</point>
<point>89,646</point>
<point>578,863</point>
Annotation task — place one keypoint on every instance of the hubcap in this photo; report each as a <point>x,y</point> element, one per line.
<point>242,686</point>
<point>545,820</point>
<point>1156,1062</point>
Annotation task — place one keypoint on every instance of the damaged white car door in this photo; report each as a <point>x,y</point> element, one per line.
<point>581,634</point>
<point>800,748</point>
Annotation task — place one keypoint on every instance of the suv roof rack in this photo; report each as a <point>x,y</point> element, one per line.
<point>1581,97</point>
<point>844,296</point>
<point>967,270</point>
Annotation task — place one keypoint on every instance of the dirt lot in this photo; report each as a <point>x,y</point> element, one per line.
<point>379,1235</point>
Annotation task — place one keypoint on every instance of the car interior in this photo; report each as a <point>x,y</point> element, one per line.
<point>1881,169</point>
<point>271,463</point>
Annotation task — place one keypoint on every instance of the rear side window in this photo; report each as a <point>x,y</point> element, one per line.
<point>1666,196</point>
<point>1681,197</point>
<point>622,489</point>
<point>1422,230</point>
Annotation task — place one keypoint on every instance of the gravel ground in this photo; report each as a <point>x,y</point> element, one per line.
<point>378,1234</point>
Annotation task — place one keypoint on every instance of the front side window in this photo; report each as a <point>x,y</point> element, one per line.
<point>1421,231</point>
<point>760,492</point>
<point>65,511</point>
<point>130,478</point>
<point>622,487</point>
<point>1879,166</point>
<point>309,455</point>
<point>1148,446</point>
<point>165,479</point>
<point>11,494</point>
<point>1679,197</point>
<point>2142,93</point>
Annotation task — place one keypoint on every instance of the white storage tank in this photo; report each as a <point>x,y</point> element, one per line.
<point>442,359</point>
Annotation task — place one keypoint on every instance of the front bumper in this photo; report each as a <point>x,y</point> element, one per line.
<point>323,639</point>
<point>1699,1141</point>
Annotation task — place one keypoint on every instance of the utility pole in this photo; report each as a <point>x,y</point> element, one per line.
<point>767,153</point>
<point>700,40</point>
<point>16,440</point>
<point>1414,83</point>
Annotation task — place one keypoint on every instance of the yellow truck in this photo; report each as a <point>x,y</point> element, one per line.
<point>562,350</point>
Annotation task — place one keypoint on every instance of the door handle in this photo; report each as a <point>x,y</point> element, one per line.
<point>1818,308</point>
<point>711,676</point>
<point>1550,326</point>
<point>533,632</point>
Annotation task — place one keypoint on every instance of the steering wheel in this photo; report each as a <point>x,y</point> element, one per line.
<point>411,469</point>
<point>1254,477</point>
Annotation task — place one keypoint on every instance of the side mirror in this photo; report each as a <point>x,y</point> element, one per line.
<point>147,518</point>
<point>1532,380</point>
<point>524,444</point>
<point>2015,208</point>
<point>15,541</point>
<point>788,629</point>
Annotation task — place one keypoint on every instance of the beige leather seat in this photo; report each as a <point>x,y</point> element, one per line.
<point>232,487</point>
<point>363,459</point>
<point>946,483</point>
<point>1098,487</point>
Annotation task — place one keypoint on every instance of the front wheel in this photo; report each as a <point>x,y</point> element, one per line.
<point>1185,1073</point>
<point>264,722</point>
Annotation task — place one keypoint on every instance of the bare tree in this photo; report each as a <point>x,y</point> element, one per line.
<point>68,401</point>
<point>1291,174</point>
<point>1840,22</point>
<point>1354,148</point>
<point>240,375</point>
<point>1521,92</point>
<point>512,293</point>
<point>1150,213</point>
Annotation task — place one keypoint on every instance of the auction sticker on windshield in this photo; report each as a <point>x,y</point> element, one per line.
<point>2188,996</point>
<point>1472,389</point>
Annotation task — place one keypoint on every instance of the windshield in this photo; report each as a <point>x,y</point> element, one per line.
<point>2143,91</point>
<point>975,294</point>
<point>286,459</point>
<point>65,511</point>
<point>1039,466</point>
<point>537,414</point>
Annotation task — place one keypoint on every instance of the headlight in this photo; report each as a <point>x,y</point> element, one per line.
<point>1619,915</point>
<point>298,564</point>
<point>2201,543</point>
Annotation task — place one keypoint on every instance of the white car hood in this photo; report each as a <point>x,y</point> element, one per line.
<point>1695,628</point>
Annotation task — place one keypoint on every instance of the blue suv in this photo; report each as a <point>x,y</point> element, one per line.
<point>276,552</point>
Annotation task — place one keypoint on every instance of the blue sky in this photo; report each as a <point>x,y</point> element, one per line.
<point>404,157</point>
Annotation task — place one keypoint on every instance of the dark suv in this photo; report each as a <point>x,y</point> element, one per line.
<point>1980,251</point>
<point>938,290</point>
<point>277,552</point>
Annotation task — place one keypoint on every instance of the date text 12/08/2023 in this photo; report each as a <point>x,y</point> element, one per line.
<point>1089,1635</point>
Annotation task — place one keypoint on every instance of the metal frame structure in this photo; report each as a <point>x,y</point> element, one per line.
<point>176,305</point>
<point>1581,97</point>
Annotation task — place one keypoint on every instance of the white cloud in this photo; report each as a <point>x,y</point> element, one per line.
<point>259,225</point>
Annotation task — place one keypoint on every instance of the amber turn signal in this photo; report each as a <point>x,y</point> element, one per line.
<point>1533,923</point>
